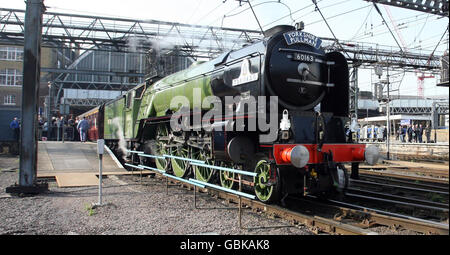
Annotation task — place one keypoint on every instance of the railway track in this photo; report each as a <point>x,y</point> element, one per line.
<point>325,216</point>
<point>404,176</point>
<point>420,203</point>
<point>369,218</point>
<point>424,200</point>
<point>425,185</point>
<point>419,172</point>
<point>413,169</point>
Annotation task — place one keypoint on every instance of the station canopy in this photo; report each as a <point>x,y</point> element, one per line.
<point>396,118</point>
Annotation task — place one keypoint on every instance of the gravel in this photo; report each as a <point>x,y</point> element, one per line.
<point>130,208</point>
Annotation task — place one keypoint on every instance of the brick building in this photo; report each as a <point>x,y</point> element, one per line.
<point>11,81</point>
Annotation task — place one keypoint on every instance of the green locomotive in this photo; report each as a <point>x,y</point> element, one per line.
<point>306,154</point>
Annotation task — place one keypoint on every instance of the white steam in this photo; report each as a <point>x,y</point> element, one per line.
<point>119,133</point>
<point>134,43</point>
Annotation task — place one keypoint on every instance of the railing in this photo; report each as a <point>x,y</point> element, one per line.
<point>58,133</point>
<point>194,181</point>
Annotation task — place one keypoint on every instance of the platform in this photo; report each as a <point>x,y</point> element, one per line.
<point>415,151</point>
<point>75,164</point>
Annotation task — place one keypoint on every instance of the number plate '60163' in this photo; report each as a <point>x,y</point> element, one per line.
<point>303,57</point>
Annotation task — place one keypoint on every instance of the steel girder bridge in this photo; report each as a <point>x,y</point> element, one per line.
<point>109,34</point>
<point>113,36</point>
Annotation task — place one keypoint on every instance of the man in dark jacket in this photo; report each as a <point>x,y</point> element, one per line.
<point>15,126</point>
<point>409,131</point>
<point>415,133</point>
<point>420,133</point>
<point>428,132</point>
<point>403,134</point>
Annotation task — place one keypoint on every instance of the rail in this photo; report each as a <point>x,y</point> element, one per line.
<point>315,222</point>
<point>58,133</point>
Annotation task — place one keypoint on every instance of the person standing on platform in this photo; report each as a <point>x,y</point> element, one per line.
<point>61,124</point>
<point>420,133</point>
<point>71,130</point>
<point>399,133</point>
<point>53,128</point>
<point>15,126</point>
<point>416,133</point>
<point>409,131</point>
<point>428,132</point>
<point>58,129</point>
<point>76,134</point>
<point>403,134</point>
<point>83,127</point>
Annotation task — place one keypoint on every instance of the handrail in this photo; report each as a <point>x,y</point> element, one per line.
<point>224,189</point>
<point>225,169</point>
<point>192,181</point>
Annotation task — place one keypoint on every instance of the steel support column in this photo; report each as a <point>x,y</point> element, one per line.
<point>30,99</point>
<point>354,90</point>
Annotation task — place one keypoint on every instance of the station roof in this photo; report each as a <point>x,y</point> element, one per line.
<point>396,117</point>
<point>412,103</point>
<point>368,104</point>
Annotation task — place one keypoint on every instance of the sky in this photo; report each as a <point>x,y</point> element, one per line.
<point>354,20</point>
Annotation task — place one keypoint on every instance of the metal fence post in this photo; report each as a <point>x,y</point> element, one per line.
<point>195,197</point>
<point>195,190</point>
<point>63,132</point>
<point>57,132</point>
<point>100,179</point>
<point>240,202</point>
<point>100,149</point>
<point>167,185</point>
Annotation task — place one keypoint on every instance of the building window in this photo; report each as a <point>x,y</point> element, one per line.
<point>10,77</point>
<point>9,100</point>
<point>11,53</point>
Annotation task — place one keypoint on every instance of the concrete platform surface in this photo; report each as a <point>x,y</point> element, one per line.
<point>76,164</point>
<point>415,151</point>
<point>73,157</point>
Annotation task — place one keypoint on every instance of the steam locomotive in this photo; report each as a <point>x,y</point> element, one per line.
<point>303,150</point>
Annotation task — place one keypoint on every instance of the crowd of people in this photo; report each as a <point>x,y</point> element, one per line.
<point>77,130</point>
<point>410,133</point>
<point>379,133</point>
<point>73,129</point>
<point>413,133</point>
<point>57,129</point>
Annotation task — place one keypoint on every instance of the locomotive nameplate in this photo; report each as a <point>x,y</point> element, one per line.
<point>303,57</point>
<point>294,37</point>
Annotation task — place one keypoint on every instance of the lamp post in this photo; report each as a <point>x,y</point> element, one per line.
<point>49,111</point>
